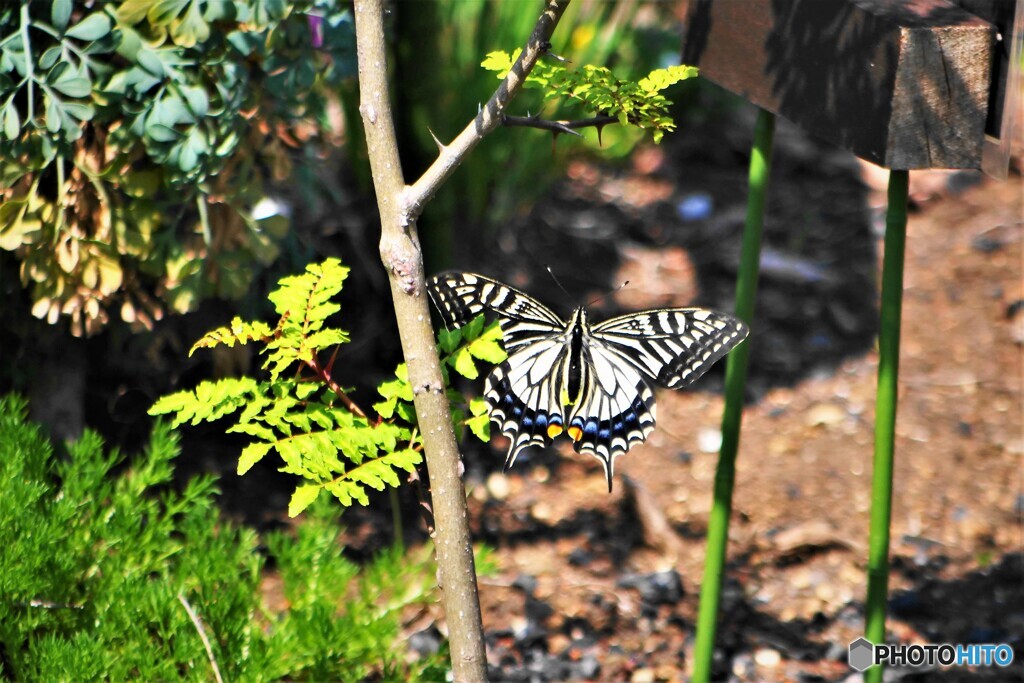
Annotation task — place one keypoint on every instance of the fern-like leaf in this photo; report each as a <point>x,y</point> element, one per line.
<point>208,402</point>
<point>238,332</point>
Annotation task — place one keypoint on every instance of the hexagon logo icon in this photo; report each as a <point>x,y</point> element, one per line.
<point>861,654</point>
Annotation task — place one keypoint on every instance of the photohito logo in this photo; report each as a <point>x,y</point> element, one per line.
<point>865,654</point>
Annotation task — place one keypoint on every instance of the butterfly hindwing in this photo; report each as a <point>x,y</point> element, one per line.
<point>523,416</point>
<point>618,413</point>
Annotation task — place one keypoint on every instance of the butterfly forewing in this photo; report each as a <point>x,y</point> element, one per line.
<point>672,346</point>
<point>608,407</point>
<point>461,296</point>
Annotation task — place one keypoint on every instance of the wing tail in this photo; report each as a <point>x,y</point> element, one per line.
<point>608,438</point>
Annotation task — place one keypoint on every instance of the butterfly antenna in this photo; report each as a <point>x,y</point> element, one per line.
<point>608,294</point>
<point>565,291</point>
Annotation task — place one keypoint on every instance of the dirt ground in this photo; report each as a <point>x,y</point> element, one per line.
<point>605,587</point>
<point>592,586</point>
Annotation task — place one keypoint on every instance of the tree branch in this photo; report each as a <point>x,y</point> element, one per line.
<point>557,126</point>
<point>488,118</point>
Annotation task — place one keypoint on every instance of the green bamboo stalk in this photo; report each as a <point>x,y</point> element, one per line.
<point>732,416</point>
<point>885,413</point>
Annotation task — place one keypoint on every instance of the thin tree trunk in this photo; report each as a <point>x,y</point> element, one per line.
<point>400,251</point>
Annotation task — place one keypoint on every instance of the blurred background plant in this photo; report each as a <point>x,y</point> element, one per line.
<point>439,49</point>
<point>137,138</point>
<point>159,154</point>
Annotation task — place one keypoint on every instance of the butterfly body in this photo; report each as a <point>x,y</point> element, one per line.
<point>592,382</point>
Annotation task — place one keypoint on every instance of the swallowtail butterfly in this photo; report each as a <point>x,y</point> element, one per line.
<point>592,382</point>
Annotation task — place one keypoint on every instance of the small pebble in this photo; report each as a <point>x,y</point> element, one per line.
<point>644,675</point>
<point>743,667</point>
<point>768,658</point>
<point>497,486</point>
<point>589,667</point>
<point>709,440</point>
<point>825,414</point>
<point>542,512</point>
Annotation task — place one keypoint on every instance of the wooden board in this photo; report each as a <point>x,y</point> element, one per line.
<point>904,84</point>
<point>1002,124</point>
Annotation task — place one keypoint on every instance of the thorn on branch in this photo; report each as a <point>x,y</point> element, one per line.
<point>440,145</point>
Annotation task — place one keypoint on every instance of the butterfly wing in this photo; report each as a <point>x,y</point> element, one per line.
<point>617,410</point>
<point>622,358</point>
<point>462,296</point>
<point>521,398</point>
<point>671,346</point>
<point>520,392</point>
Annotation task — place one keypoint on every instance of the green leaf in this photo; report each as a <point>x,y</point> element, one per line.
<point>163,11</point>
<point>463,363</point>
<point>251,455</point>
<point>480,426</point>
<point>60,12</point>
<point>50,57</point>
<point>449,340</point>
<point>93,27</point>
<point>500,61</point>
<point>52,114</point>
<point>325,339</point>
<point>73,85</point>
<point>406,411</point>
<point>473,329</point>
<point>239,332</point>
<point>198,100</point>
<point>478,406</point>
<point>133,11</point>
<point>487,350</point>
<point>386,408</point>
<point>11,121</point>
<point>303,497</point>
<point>190,29</point>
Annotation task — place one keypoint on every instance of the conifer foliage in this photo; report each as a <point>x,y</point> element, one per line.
<point>110,573</point>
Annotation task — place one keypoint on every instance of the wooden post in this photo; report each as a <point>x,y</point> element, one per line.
<point>902,84</point>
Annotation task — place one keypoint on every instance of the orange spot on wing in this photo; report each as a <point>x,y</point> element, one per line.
<point>575,433</point>
<point>554,430</point>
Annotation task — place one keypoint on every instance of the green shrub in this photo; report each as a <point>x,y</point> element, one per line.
<point>136,137</point>
<point>99,573</point>
<point>303,414</point>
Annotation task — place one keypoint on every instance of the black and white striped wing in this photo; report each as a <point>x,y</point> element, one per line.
<point>460,297</point>
<point>617,410</point>
<point>671,346</point>
<point>520,392</point>
<point>522,399</point>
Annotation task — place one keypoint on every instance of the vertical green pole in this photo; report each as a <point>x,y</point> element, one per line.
<point>885,413</point>
<point>735,384</point>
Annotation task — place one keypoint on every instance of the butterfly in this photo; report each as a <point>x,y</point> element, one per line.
<point>592,382</point>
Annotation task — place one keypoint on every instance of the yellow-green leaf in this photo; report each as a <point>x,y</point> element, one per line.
<point>303,497</point>
<point>463,363</point>
<point>251,455</point>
